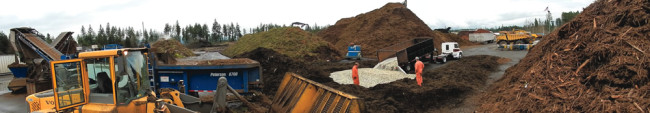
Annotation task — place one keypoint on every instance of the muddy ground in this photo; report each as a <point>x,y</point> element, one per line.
<point>471,101</point>
<point>10,103</point>
<point>452,84</point>
<point>14,103</point>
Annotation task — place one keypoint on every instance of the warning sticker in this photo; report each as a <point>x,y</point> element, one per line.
<point>164,78</point>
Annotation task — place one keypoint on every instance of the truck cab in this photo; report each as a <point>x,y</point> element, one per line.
<point>452,50</point>
<point>98,81</point>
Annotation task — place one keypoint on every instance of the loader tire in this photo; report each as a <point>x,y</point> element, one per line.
<point>520,42</point>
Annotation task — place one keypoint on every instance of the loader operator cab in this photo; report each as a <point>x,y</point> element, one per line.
<point>98,79</point>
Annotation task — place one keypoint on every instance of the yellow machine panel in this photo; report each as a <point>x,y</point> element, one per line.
<point>41,100</point>
<point>297,94</point>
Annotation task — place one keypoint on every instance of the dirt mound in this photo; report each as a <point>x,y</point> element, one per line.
<point>16,64</point>
<point>290,41</point>
<point>217,62</point>
<point>171,47</point>
<point>598,62</point>
<point>442,87</point>
<point>275,65</point>
<point>390,24</point>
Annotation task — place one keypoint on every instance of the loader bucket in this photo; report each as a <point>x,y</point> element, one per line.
<point>176,109</point>
<point>195,104</point>
<point>300,95</point>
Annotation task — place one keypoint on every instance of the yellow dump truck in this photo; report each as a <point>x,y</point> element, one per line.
<point>516,37</point>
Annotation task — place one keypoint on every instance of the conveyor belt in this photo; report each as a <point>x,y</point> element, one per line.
<point>64,43</point>
<point>43,47</point>
<point>61,38</point>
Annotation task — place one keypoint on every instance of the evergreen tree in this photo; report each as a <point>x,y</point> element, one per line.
<point>178,31</point>
<point>167,29</point>
<point>154,36</point>
<point>237,32</point>
<point>225,32</point>
<point>205,33</point>
<point>558,22</point>
<point>81,37</point>
<point>5,45</point>
<point>109,38</point>
<point>216,31</point>
<point>48,38</point>
<point>90,37</point>
<point>101,36</point>
<point>145,36</point>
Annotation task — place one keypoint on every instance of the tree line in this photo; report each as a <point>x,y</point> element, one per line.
<point>220,32</point>
<point>133,37</point>
<point>127,36</point>
<point>191,33</point>
<point>539,25</point>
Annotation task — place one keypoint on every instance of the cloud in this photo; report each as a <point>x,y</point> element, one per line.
<point>57,16</point>
<point>50,23</point>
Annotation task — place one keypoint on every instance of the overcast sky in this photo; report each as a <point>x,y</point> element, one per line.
<point>55,16</point>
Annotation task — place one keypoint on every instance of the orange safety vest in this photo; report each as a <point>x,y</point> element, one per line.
<point>355,75</point>
<point>418,72</point>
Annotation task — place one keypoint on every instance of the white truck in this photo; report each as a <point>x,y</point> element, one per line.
<point>450,50</point>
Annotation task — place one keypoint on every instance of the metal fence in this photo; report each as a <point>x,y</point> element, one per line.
<point>5,60</point>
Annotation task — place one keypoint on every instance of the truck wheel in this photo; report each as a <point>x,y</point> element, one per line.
<point>502,42</point>
<point>460,55</point>
<point>520,42</point>
<point>444,60</point>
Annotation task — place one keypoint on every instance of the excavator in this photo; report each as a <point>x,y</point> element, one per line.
<point>116,80</point>
<point>300,25</point>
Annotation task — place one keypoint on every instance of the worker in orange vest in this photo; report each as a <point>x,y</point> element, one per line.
<point>355,73</point>
<point>418,70</point>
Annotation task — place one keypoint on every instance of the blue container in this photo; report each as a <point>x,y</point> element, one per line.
<point>19,72</point>
<point>354,52</point>
<point>204,78</point>
<point>112,46</point>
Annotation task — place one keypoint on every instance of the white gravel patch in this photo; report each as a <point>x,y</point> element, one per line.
<point>205,56</point>
<point>389,64</point>
<point>369,77</point>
